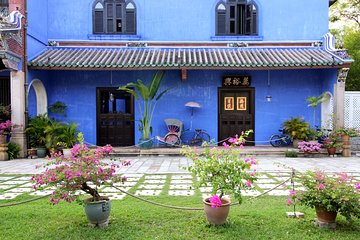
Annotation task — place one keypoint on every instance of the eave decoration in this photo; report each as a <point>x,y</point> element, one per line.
<point>10,40</point>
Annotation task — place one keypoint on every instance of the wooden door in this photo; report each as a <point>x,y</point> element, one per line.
<point>236,112</point>
<point>115,117</point>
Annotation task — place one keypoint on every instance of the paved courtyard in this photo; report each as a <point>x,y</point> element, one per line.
<point>154,175</point>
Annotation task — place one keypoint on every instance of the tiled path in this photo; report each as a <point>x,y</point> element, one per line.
<point>152,176</point>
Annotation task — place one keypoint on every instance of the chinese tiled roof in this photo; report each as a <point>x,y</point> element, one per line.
<point>75,58</point>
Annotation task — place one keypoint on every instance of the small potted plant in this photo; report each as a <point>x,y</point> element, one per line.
<point>84,170</point>
<point>309,147</point>
<point>147,98</point>
<point>297,128</point>
<point>332,142</point>
<point>36,130</point>
<point>5,130</point>
<point>226,172</point>
<point>346,134</point>
<point>328,194</point>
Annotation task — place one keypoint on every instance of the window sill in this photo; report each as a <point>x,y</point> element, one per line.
<point>113,37</point>
<point>236,38</point>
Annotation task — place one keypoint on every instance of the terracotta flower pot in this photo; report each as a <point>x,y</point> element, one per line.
<point>325,216</point>
<point>217,216</point>
<point>331,151</point>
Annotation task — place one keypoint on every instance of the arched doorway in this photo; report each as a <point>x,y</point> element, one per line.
<point>41,96</point>
<point>327,111</point>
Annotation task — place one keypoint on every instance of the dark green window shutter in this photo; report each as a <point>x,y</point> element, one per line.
<point>130,22</point>
<point>99,22</point>
<point>221,23</point>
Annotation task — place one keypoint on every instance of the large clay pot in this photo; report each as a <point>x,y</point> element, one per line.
<point>98,212</point>
<point>2,139</point>
<point>41,152</point>
<point>145,143</point>
<point>296,142</point>
<point>217,216</point>
<point>325,216</point>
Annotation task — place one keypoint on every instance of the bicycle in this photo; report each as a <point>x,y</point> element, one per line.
<point>197,138</point>
<point>283,139</point>
<point>176,136</point>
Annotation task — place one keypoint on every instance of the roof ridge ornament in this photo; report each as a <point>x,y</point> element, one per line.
<point>238,44</point>
<point>11,22</point>
<point>329,42</point>
<point>317,44</point>
<point>136,44</point>
<point>53,43</point>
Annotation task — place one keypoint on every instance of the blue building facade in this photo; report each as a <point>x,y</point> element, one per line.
<point>248,63</point>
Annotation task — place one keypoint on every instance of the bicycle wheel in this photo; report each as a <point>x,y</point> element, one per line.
<point>172,139</point>
<point>275,140</point>
<point>199,138</point>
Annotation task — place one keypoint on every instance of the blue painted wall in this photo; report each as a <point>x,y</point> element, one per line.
<point>37,36</point>
<point>173,20</point>
<point>186,20</point>
<point>289,90</point>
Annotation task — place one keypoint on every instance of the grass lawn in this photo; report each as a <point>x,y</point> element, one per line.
<point>263,218</point>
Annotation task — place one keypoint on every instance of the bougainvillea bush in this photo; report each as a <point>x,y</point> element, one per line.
<point>85,170</point>
<point>223,169</point>
<point>6,127</point>
<point>335,193</point>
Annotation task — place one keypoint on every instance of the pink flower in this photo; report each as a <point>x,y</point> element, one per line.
<point>289,202</point>
<point>248,183</point>
<point>215,201</point>
<point>321,186</point>
<point>226,145</point>
<point>357,186</point>
<point>292,192</point>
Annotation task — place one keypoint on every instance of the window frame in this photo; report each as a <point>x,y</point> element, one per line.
<point>233,8</point>
<point>115,18</point>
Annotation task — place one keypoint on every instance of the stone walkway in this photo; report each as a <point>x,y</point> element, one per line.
<point>151,176</point>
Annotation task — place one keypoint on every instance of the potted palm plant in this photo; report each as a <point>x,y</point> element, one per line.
<point>226,172</point>
<point>298,129</point>
<point>36,131</point>
<point>147,98</point>
<point>67,138</point>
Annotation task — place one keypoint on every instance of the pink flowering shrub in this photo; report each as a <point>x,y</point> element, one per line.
<point>84,170</point>
<point>6,127</point>
<point>223,169</point>
<point>309,146</point>
<point>333,140</point>
<point>338,193</point>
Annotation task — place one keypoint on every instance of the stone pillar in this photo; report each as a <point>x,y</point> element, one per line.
<point>339,98</point>
<point>18,110</point>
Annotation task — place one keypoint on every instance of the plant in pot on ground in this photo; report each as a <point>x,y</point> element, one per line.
<point>86,171</point>
<point>309,147</point>
<point>332,142</point>
<point>328,194</point>
<point>66,139</point>
<point>226,172</point>
<point>147,98</point>
<point>297,128</point>
<point>36,132</point>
